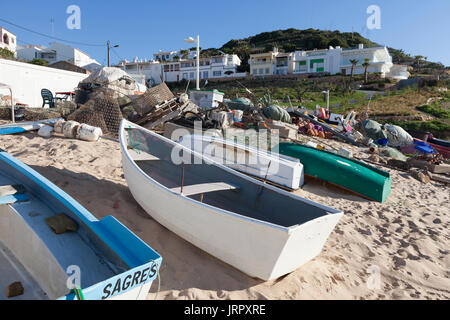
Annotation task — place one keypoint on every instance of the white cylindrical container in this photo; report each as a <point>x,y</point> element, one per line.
<point>89,133</point>
<point>70,129</point>
<point>58,127</point>
<point>45,131</point>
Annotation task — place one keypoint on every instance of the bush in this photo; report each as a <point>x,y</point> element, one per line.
<point>435,110</point>
<point>5,53</point>
<point>39,62</point>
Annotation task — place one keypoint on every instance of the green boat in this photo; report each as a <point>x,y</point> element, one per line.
<point>355,176</point>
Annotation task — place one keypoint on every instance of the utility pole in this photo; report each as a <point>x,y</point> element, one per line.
<point>108,45</point>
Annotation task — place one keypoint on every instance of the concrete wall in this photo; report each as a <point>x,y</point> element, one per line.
<point>27,80</point>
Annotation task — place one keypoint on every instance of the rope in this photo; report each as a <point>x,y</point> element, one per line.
<point>78,293</point>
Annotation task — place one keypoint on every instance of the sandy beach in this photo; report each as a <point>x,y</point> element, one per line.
<point>407,238</point>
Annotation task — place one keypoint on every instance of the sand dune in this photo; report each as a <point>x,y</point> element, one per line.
<point>406,239</point>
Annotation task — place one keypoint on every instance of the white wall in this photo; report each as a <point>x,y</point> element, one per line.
<point>27,80</point>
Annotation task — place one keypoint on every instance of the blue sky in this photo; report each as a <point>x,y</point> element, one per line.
<point>141,28</point>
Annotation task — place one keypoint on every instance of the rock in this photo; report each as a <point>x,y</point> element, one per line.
<point>421,176</point>
<point>14,290</point>
<point>377,159</point>
<point>61,224</point>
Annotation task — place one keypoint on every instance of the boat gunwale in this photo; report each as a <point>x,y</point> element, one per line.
<point>288,230</point>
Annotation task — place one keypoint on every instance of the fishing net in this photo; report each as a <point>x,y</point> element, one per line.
<point>102,111</point>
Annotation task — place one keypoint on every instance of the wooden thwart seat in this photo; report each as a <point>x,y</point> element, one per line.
<point>12,194</point>
<point>204,188</point>
<point>11,199</point>
<point>10,190</point>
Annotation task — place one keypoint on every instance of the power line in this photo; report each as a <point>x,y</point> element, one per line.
<point>51,37</point>
<point>115,52</point>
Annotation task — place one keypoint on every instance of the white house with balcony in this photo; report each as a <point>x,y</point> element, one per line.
<point>379,58</point>
<point>166,55</point>
<point>332,61</point>
<point>8,40</point>
<point>151,70</point>
<point>222,66</point>
<point>316,61</point>
<point>58,52</point>
<point>30,52</point>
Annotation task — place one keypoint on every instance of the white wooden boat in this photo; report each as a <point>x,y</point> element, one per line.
<point>112,262</point>
<point>21,127</point>
<point>280,170</point>
<point>259,229</point>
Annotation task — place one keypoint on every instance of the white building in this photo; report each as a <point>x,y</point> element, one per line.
<point>223,66</point>
<point>166,55</point>
<point>176,70</point>
<point>316,61</point>
<point>8,40</point>
<point>332,61</point>
<point>379,58</point>
<point>30,52</point>
<point>150,70</point>
<point>58,52</point>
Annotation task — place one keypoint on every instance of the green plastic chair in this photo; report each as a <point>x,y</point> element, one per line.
<point>48,98</point>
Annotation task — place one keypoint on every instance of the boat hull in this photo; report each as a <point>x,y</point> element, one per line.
<point>352,175</point>
<point>98,254</point>
<point>258,248</point>
<point>444,151</point>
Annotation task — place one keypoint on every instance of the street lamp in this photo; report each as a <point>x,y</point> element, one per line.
<point>192,40</point>
<point>328,97</point>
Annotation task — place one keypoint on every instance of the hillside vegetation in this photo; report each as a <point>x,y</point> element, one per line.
<point>292,39</point>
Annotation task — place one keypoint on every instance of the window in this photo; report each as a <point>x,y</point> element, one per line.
<point>255,71</point>
<point>267,70</point>
<point>261,71</point>
<point>177,67</point>
<point>171,68</point>
<point>185,76</point>
<point>205,74</point>
<point>166,68</point>
<point>192,75</point>
<point>5,39</point>
<point>217,73</point>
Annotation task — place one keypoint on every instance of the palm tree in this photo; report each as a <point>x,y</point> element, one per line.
<point>354,62</point>
<point>366,66</point>
<point>418,59</point>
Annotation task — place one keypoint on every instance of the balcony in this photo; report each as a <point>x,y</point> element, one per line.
<point>260,62</point>
<point>282,64</point>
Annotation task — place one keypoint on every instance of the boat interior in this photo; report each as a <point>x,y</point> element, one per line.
<point>216,186</point>
<point>32,253</point>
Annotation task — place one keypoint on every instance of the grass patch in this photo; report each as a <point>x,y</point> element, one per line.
<point>435,110</point>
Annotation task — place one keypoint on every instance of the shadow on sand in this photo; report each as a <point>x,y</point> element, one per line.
<point>184,265</point>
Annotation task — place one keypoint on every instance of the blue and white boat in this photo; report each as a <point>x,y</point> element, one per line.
<point>104,258</point>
